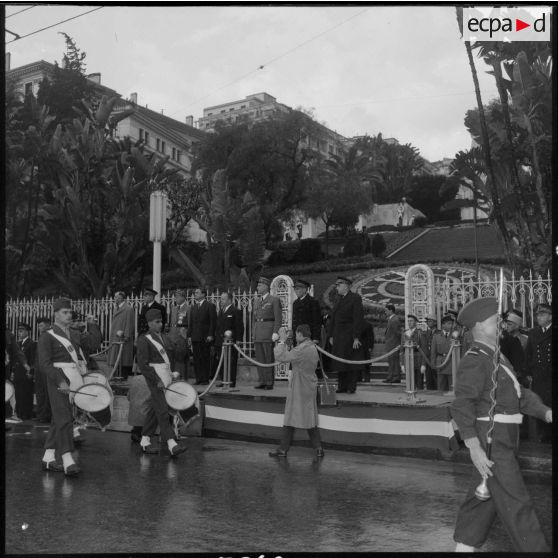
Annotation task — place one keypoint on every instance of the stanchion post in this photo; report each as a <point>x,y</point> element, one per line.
<point>227,346</point>
<point>455,359</point>
<point>410,371</point>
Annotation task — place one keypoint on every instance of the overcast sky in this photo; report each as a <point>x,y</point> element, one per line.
<point>399,70</point>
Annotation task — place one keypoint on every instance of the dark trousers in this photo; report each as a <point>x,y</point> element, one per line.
<point>431,378</point>
<point>60,436</point>
<point>348,379</point>
<point>509,500</point>
<point>444,382</point>
<point>264,354</point>
<point>233,364</point>
<point>24,396</point>
<point>419,382</point>
<point>288,433</point>
<point>201,351</point>
<point>125,371</point>
<point>394,369</point>
<point>41,391</point>
<point>158,414</point>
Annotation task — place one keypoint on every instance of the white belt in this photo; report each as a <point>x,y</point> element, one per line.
<point>508,419</point>
<point>74,374</point>
<point>163,372</point>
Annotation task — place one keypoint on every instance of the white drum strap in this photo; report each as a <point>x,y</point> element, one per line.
<point>70,348</point>
<point>160,350</point>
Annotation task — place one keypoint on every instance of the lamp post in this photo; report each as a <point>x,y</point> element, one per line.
<point>157,232</point>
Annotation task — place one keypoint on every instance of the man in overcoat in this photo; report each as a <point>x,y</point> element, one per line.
<point>266,321</point>
<point>306,310</point>
<point>345,332</point>
<point>229,318</point>
<point>301,407</point>
<point>149,303</point>
<point>475,397</point>
<point>61,357</point>
<point>392,340</point>
<point>23,378</point>
<point>538,355</point>
<point>441,346</point>
<point>178,332</point>
<point>426,347</point>
<point>201,329</point>
<point>122,328</point>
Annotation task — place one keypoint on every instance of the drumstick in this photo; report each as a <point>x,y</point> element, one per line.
<point>174,391</point>
<point>81,392</point>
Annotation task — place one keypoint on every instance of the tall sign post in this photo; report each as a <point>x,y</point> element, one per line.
<point>157,232</point>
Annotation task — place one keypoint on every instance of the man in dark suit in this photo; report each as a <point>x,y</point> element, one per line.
<point>23,378</point>
<point>441,345</point>
<point>392,340</point>
<point>229,318</point>
<point>41,391</point>
<point>14,357</point>
<point>201,329</point>
<point>538,355</point>
<point>149,303</point>
<point>347,322</point>
<point>306,310</point>
<point>426,347</point>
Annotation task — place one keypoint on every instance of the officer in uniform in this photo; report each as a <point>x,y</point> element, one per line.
<point>266,322</point>
<point>306,310</point>
<point>538,355</point>
<point>426,347</point>
<point>441,345</point>
<point>470,410</point>
<point>412,335</point>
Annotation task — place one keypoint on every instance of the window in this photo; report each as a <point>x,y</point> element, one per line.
<point>178,154</point>
<point>231,109</point>
<point>29,88</point>
<point>223,111</point>
<point>163,147</point>
<point>146,138</point>
<point>141,133</point>
<point>209,113</point>
<point>243,106</point>
<point>173,154</point>
<point>158,144</point>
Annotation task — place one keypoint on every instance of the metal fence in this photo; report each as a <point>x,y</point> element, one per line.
<point>521,293</point>
<point>29,310</point>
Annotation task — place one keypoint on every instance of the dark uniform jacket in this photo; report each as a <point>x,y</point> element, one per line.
<point>511,348</point>
<point>51,350</point>
<point>14,353</point>
<point>201,321</point>
<point>538,357</point>
<point>439,350</point>
<point>393,333</point>
<point>347,322</point>
<point>29,349</point>
<point>266,318</point>
<point>142,322</point>
<point>426,344</point>
<point>147,353</point>
<point>472,391</point>
<point>306,310</point>
<point>229,319</point>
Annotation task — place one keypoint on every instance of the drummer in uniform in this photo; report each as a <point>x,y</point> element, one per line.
<point>155,359</point>
<point>509,499</point>
<point>61,359</point>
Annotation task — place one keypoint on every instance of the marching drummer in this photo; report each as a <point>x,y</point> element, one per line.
<point>154,358</point>
<point>61,359</point>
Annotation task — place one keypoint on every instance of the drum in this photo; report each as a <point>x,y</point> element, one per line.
<point>9,390</point>
<point>92,398</point>
<point>180,395</point>
<point>95,378</point>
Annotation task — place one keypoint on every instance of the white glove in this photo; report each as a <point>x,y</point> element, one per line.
<point>548,415</point>
<point>422,369</point>
<point>275,337</point>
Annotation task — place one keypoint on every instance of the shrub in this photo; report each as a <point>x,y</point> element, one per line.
<point>420,221</point>
<point>378,245</point>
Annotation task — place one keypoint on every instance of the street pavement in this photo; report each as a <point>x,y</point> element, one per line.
<point>229,496</point>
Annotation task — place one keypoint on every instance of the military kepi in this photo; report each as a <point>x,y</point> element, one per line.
<point>152,291</point>
<point>153,314</point>
<point>264,281</point>
<point>301,283</point>
<point>61,304</point>
<point>345,280</point>
<point>543,308</point>
<point>477,311</point>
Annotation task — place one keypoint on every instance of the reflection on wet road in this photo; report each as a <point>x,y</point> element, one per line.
<point>230,496</point>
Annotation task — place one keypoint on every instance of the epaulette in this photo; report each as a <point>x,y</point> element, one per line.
<point>476,351</point>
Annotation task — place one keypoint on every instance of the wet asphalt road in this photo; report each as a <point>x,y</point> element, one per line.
<point>224,495</point>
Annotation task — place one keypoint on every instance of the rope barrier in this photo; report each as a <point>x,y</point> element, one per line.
<point>117,361</point>
<point>216,374</point>
<point>255,361</point>
<point>448,356</point>
<point>369,361</point>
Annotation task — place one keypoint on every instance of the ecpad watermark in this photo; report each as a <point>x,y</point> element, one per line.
<point>501,23</point>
